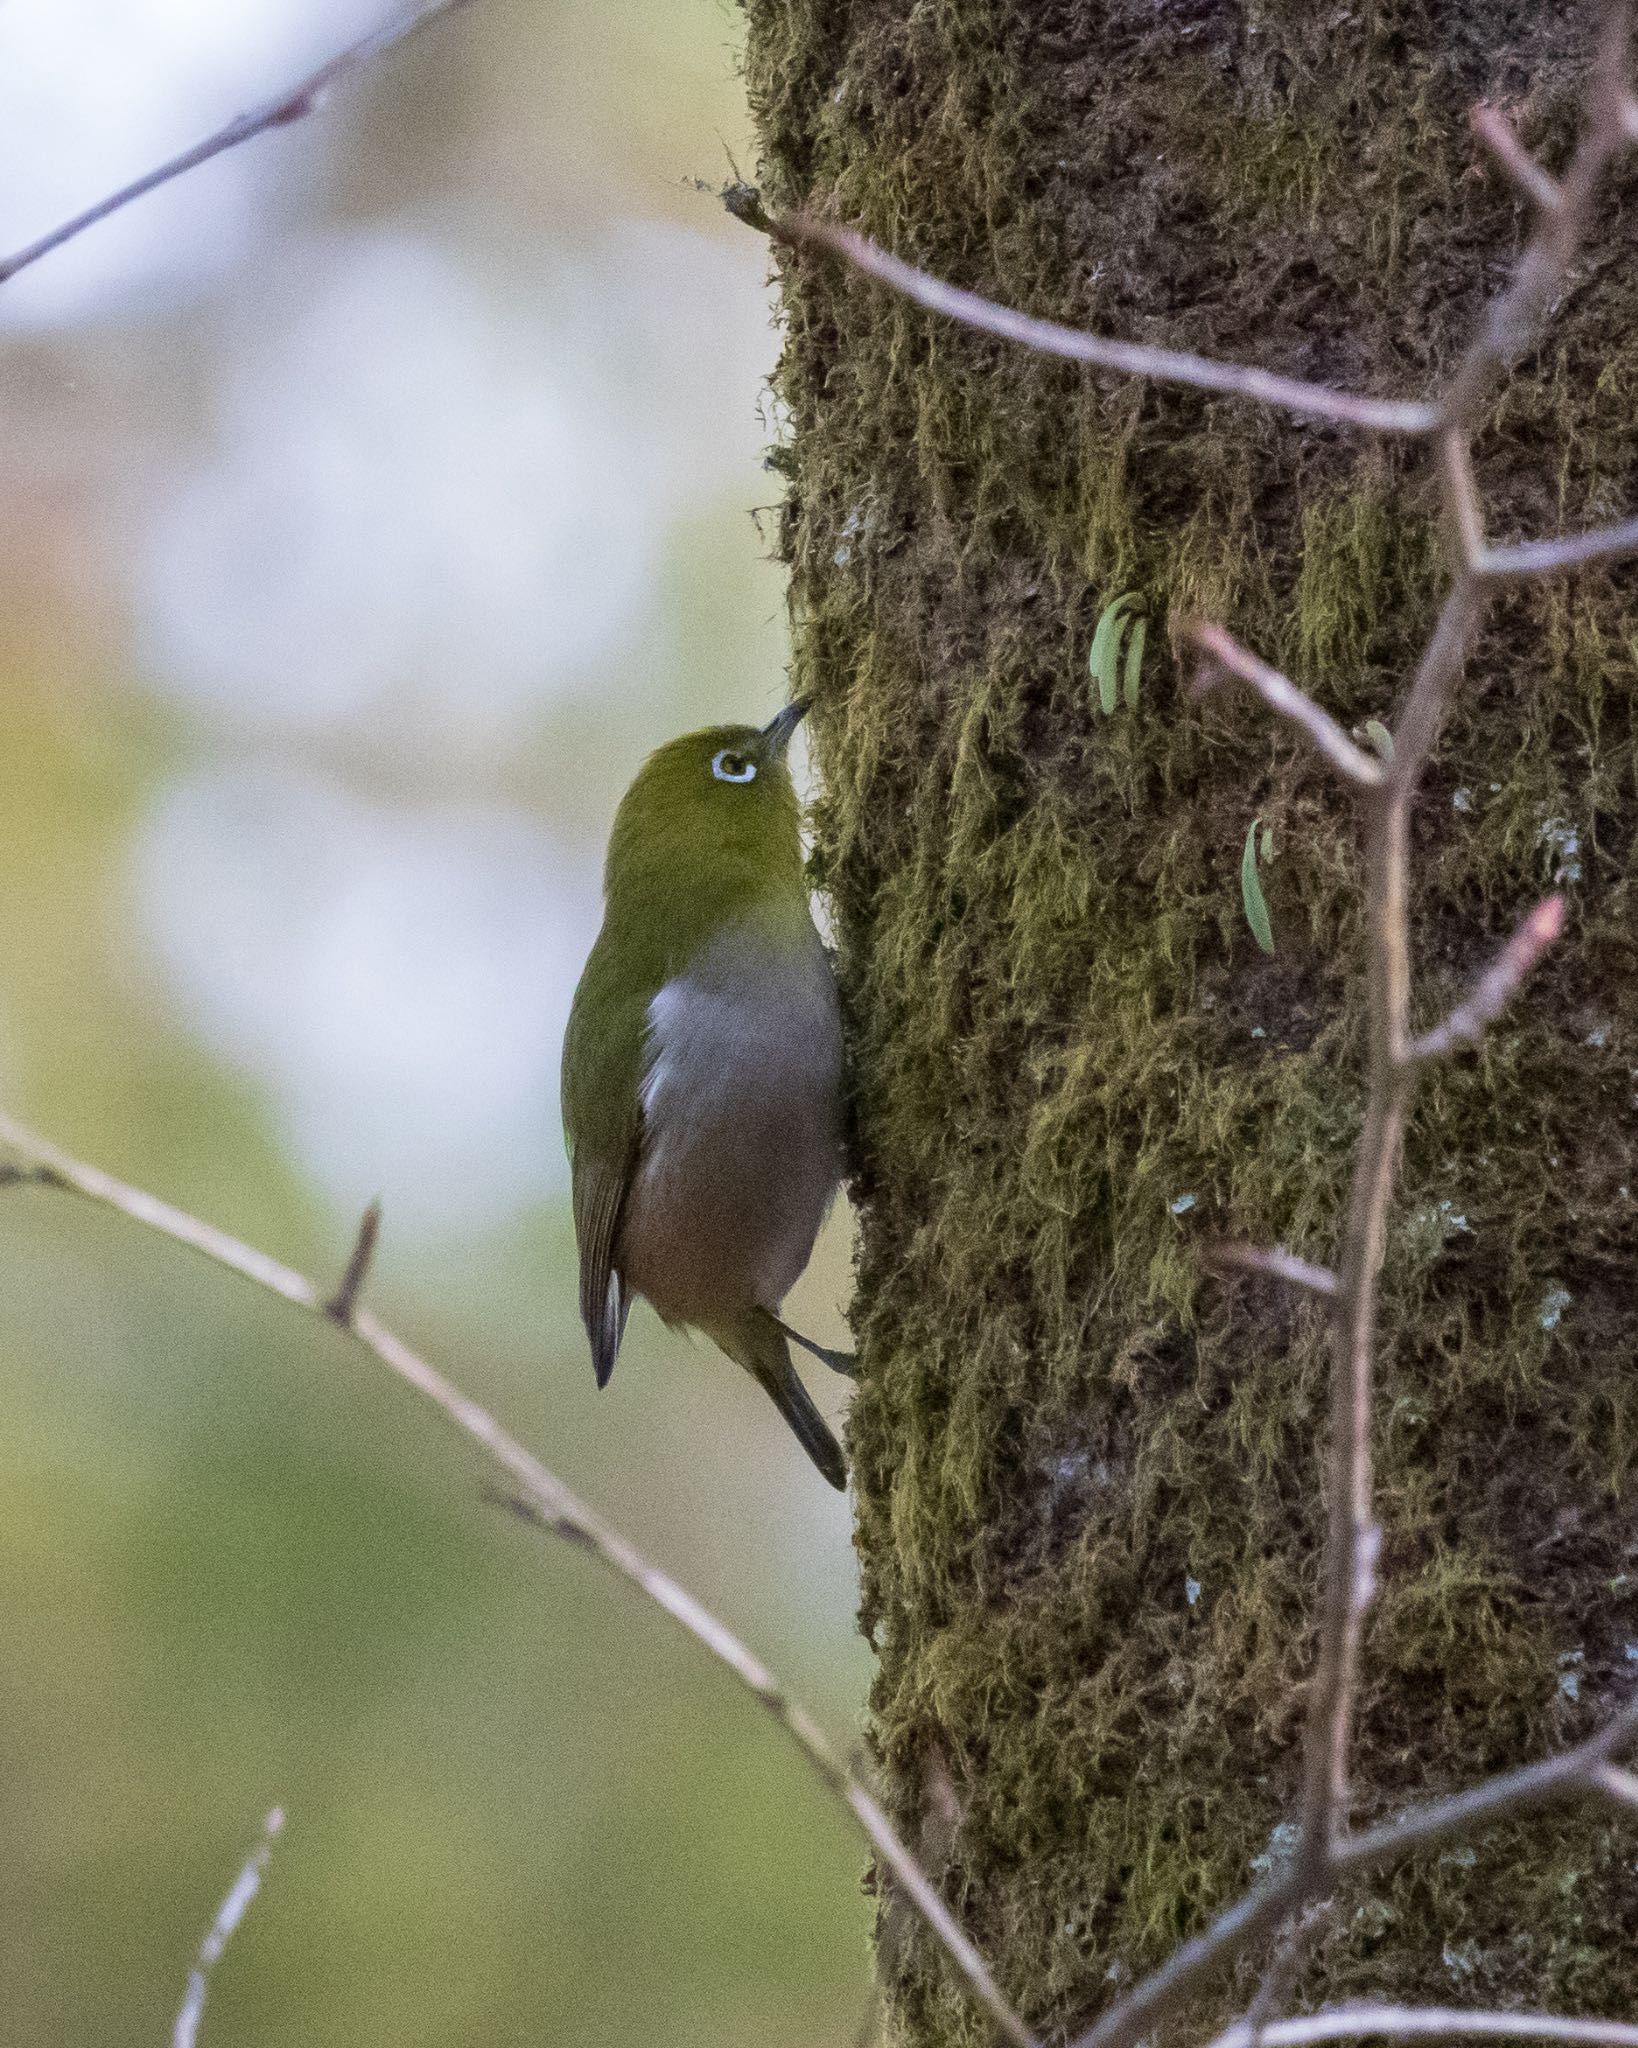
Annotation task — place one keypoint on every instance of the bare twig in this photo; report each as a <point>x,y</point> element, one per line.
<point>1621,1786</point>
<point>1425,2022</point>
<point>913,1881</point>
<point>1498,135</point>
<point>1498,984</point>
<point>1131,359</point>
<point>222,1929</point>
<point>1222,655</point>
<point>1275,1263</point>
<point>552,1506</point>
<point>1254,1916</point>
<point>1577,1774</point>
<point>1548,557</point>
<point>342,1305</point>
<point>289,107</point>
<point>1516,315</point>
<point>1573,1775</point>
<point>1464,512</point>
<point>1281,1972</point>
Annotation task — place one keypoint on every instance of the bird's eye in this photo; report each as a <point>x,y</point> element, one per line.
<point>731,767</point>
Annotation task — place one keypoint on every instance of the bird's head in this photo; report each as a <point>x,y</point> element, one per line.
<point>713,808</point>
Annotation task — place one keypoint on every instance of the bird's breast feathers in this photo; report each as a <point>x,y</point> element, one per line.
<point>741,1142</point>
<point>726,1043</point>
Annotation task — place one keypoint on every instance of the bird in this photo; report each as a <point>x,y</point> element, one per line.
<point>702,1067</point>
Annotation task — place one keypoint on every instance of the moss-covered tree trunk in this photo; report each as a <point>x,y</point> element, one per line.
<point>1089,1478</point>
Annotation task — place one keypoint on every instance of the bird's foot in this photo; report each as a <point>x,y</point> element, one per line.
<point>844,1362</point>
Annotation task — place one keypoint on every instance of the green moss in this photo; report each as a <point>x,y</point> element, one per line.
<point>1253,166</point>
<point>1061,1027</point>
<point>1364,563</point>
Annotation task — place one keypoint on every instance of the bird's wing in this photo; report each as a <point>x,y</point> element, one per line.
<point>602,1116</point>
<point>599,1196</point>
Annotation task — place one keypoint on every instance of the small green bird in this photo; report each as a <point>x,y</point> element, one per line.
<point>702,1067</point>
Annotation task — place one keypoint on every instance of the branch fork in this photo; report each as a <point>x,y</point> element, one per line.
<point>1223,656</point>
<point>1497,985</point>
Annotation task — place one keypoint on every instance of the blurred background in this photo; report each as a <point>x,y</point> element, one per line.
<point>370,502</point>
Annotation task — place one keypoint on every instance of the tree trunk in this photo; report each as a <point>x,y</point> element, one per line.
<point>1089,1477</point>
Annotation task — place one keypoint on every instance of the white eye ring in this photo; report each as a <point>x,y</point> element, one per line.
<point>731,767</point>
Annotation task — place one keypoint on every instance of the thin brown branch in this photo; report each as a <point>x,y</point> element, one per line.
<point>342,1305</point>
<point>1550,557</point>
<point>1281,1972</point>
<point>1222,655</point>
<point>1461,489</point>
<point>1554,1781</point>
<point>1417,726</point>
<point>1276,1263</point>
<point>1131,359</point>
<point>1511,322</point>
<point>222,1930</point>
<point>1429,2022</point>
<point>552,1506</point>
<point>1353,1539</point>
<point>1576,1774</point>
<point>1515,316</point>
<point>293,105</point>
<point>1515,162</point>
<point>1497,985</point>
<point>1253,1917</point>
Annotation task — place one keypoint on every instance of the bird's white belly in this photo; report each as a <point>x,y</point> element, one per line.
<point>741,1146</point>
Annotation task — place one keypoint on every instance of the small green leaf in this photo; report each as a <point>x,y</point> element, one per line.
<point>1134,662</point>
<point>1251,892</point>
<point>1106,638</point>
<point>1380,737</point>
<point>1265,852</point>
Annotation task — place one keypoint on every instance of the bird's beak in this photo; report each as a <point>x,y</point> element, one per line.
<point>776,734</point>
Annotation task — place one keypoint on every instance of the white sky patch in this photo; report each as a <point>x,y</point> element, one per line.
<point>421,496</point>
<point>95,92</point>
<point>398,981</point>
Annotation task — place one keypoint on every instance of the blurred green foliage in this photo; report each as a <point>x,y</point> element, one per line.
<point>238,1566</point>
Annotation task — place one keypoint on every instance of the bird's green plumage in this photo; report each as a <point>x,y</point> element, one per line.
<point>701,1067</point>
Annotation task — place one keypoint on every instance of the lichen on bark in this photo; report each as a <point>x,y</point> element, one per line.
<point>1088,1477</point>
